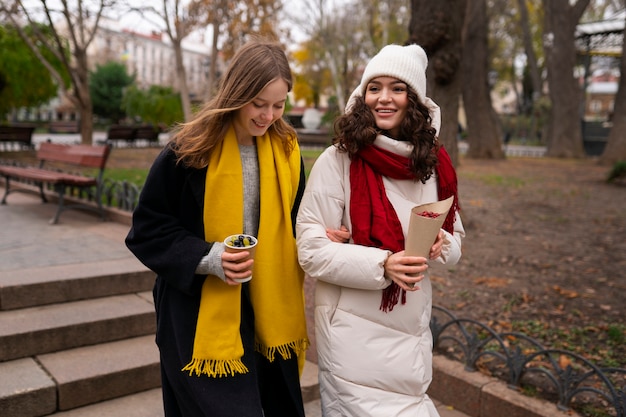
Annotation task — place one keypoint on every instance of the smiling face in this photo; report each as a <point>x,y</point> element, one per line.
<point>388,100</point>
<point>256,117</point>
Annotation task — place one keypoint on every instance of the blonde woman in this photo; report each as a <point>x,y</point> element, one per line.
<point>228,349</point>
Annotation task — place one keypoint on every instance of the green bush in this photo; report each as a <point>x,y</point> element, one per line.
<point>618,171</point>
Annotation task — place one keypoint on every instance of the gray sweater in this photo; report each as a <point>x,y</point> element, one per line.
<point>212,262</point>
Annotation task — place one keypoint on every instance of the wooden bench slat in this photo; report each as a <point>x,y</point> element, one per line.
<point>64,126</point>
<point>33,174</point>
<point>82,155</point>
<point>21,135</point>
<point>45,175</point>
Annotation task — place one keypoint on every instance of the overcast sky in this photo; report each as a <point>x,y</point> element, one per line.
<point>138,23</point>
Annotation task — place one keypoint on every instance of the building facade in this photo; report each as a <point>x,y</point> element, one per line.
<point>148,56</point>
<point>600,97</point>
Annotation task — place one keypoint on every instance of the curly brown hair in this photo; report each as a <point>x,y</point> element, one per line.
<point>255,65</point>
<point>357,129</point>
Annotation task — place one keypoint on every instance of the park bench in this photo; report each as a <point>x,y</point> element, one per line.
<point>117,133</point>
<point>52,158</point>
<point>317,138</point>
<point>20,136</point>
<point>64,126</point>
<point>148,133</point>
<point>131,134</point>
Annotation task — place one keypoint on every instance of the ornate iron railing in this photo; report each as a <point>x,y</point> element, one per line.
<point>566,378</point>
<point>123,195</point>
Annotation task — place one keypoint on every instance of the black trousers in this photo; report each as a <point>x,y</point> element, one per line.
<point>269,389</point>
<point>273,396</point>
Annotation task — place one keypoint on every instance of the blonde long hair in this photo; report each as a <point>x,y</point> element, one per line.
<point>255,65</point>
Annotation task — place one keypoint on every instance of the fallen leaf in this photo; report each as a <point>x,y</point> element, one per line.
<point>476,203</point>
<point>564,361</point>
<point>440,280</point>
<point>565,293</point>
<point>492,282</point>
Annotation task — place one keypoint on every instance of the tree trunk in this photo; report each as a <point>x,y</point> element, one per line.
<point>86,126</point>
<point>210,90</point>
<point>181,78</point>
<point>341,102</point>
<point>179,23</point>
<point>533,70</point>
<point>436,26</point>
<point>531,57</point>
<point>615,149</point>
<point>83,96</point>
<point>564,128</point>
<point>483,127</point>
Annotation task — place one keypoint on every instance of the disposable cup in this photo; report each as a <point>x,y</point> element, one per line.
<point>237,243</point>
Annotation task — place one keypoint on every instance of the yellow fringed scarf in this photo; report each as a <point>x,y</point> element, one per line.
<point>276,289</point>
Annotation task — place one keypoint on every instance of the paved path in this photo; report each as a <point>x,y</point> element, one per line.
<point>28,240</point>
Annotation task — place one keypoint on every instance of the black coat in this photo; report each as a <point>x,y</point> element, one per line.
<point>167,235</point>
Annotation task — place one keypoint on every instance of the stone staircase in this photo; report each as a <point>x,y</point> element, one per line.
<point>82,344</point>
<point>70,338</point>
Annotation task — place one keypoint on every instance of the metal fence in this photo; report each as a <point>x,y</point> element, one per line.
<point>564,377</point>
<point>123,195</point>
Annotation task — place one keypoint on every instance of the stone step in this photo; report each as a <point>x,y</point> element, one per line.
<point>150,403</point>
<point>143,404</point>
<point>26,390</point>
<point>78,377</point>
<point>108,380</point>
<point>61,283</point>
<point>92,374</point>
<point>50,328</point>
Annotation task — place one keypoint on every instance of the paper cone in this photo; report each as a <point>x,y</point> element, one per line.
<point>423,230</point>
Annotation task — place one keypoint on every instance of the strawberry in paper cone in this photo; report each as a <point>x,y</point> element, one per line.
<point>424,225</point>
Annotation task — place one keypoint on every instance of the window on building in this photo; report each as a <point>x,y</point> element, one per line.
<point>595,106</point>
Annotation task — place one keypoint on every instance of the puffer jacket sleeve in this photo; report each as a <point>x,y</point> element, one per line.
<point>323,206</point>
<point>451,249</point>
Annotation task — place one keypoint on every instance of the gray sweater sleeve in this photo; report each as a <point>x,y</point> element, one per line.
<point>211,263</point>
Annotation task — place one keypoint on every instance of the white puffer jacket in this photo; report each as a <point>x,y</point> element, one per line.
<point>371,363</point>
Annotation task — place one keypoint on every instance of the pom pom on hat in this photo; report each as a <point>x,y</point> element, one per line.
<point>406,63</point>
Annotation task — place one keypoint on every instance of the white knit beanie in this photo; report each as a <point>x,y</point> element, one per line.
<point>406,63</point>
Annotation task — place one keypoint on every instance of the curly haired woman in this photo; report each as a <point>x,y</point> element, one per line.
<point>373,302</point>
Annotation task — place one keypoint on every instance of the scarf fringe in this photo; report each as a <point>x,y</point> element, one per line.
<point>297,346</point>
<point>215,368</point>
<point>391,295</point>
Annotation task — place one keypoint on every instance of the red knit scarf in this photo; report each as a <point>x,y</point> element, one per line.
<point>374,220</point>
